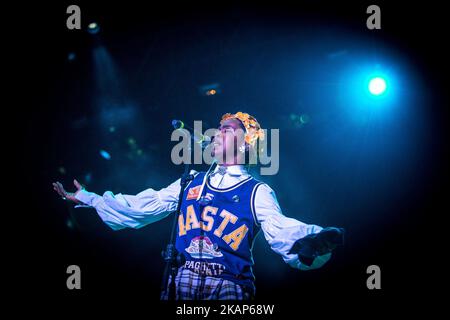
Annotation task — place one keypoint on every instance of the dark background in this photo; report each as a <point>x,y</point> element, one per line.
<point>378,168</point>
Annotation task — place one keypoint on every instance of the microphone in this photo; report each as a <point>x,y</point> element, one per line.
<point>196,136</point>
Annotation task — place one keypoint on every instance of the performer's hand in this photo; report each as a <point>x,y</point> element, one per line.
<point>317,244</point>
<point>58,187</point>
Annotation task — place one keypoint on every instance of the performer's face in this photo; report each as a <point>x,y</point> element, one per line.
<point>226,142</point>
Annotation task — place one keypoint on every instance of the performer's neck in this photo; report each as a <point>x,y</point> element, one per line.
<point>235,162</point>
<point>230,164</point>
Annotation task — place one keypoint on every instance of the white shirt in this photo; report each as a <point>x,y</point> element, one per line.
<point>119,211</point>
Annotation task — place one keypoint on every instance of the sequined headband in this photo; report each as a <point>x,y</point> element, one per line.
<point>253,130</point>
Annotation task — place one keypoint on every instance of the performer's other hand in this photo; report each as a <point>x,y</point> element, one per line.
<point>58,187</point>
<point>317,244</point>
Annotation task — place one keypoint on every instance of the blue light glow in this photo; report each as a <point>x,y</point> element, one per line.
<point>105,154</point>
<point>377,86</point>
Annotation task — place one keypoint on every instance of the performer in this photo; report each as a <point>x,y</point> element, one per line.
<point>222,212</point>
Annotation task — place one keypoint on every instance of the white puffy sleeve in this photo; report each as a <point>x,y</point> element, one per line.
<point>120,211</point>
<point>282,232</point>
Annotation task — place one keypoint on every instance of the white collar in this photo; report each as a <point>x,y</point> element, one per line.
<point>233,170</point>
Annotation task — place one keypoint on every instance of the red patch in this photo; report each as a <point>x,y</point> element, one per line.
<point>193,193</point>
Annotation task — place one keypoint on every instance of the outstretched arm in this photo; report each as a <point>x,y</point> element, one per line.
<point>120,211</point>
<point>282,232</point>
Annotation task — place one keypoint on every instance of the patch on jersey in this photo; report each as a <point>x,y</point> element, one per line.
<point>202,247</point>
<point>206,200</point>
<point>205,268</point>
<point>209,196</point>
<point>193,193</point>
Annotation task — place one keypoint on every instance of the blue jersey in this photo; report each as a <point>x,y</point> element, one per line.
<point>216,234</point>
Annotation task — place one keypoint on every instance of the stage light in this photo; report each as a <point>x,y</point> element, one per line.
<point>69,224</point>
<point>131,141</point>
<point>299,120</point>
<point>71,56</point>
<point>304,118</point>
<point>93,28</point>
<point>370,92</point>
<point>88,177</point>
<point>105,154</point>
<point>377,86</point>
<point>211,89</point>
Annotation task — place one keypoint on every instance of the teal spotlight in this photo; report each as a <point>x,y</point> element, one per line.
<point>377,86</point>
